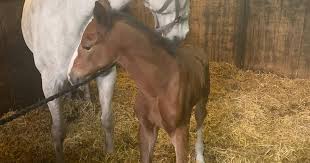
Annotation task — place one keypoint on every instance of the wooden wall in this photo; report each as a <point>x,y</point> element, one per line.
<point>304,69</point>
<point>5,92</point>
<point>223,24</point>
<point>278,37</point>
<point>20,82</point>
<point>269,35</point>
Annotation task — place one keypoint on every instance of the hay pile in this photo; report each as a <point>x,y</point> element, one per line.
<point>251,118</point>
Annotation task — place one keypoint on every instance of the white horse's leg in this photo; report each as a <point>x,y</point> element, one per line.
<point>106,87</point>
<point>200,115</point>
<point>51,85</point>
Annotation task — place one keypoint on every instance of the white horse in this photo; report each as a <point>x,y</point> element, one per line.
<point>52,30</point>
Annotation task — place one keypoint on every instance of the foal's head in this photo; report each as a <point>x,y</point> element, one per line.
<point>92,53</point>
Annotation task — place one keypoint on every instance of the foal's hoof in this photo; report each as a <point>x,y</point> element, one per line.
<point>200,159</point>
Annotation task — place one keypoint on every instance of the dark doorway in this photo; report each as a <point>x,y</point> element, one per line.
<point>20,82</point>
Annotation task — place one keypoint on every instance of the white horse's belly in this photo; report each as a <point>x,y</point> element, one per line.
<point>26,24</point>
<point>53,35</point>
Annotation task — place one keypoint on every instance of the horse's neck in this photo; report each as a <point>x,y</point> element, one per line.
<point>149,65</point>
<point>153,76</point>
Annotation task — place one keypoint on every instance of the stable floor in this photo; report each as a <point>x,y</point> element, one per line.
<point>252,117</point>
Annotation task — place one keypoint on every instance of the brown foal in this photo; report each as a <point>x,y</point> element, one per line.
<point>170,82</point>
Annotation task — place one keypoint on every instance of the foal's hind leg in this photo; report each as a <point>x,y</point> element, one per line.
<point>106,87</point>
<point>51,85</point>
<point>200,115</point>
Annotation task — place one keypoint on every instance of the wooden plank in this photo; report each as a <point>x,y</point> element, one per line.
<point>197,23</point>
<point>304,59</point>
<point>241,33</point>
<point>275,36</point>
<point>222,25</point>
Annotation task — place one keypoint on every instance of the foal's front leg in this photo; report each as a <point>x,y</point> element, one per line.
<point>148,137</point>
<point>179,139</point>
<point>147,130</point>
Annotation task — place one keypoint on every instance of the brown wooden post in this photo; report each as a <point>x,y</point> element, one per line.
<point>223,30</point>
<point>242,33</point>
<point>304,59</point>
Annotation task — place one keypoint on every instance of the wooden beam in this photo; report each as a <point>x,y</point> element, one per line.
<point>242,33</point>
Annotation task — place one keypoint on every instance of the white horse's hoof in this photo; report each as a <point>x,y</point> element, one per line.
<point>109,146</point>
<point>109,150</point>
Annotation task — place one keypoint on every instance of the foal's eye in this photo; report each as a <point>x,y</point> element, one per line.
<point>87,48</point>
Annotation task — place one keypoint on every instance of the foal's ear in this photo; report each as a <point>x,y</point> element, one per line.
<point>102,13</point>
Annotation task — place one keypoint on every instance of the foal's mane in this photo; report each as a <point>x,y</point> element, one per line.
<point>156,38</point>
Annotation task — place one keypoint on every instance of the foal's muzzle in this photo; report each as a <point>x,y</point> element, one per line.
<point>74,79</point>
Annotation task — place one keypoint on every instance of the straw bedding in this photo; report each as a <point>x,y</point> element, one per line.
<point>252,117</point>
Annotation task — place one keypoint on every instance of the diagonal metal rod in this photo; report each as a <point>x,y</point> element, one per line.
<point>106,70</point>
